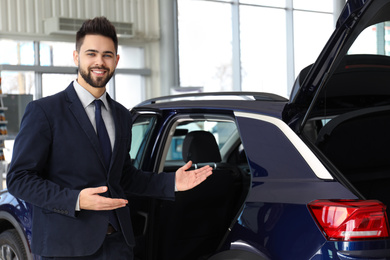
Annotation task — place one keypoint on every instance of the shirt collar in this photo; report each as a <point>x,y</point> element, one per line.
<point>87,98</point>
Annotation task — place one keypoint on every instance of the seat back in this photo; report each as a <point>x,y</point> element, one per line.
<point>200,147</point>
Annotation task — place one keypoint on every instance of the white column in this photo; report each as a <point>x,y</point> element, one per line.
<point>338,6</point>
<point>169,60</point>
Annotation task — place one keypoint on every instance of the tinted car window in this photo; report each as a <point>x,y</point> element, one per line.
<point>222,131</point>
<point>142,129</point>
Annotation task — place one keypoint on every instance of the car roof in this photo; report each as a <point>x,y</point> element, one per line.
<point>255,102</point>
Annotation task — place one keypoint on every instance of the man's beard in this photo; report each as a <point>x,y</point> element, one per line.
<point>99,82</point>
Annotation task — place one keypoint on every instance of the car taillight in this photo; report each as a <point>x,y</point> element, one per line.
<point>350,219</point>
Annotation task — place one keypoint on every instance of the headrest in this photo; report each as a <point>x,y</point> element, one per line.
<point>200,147</point>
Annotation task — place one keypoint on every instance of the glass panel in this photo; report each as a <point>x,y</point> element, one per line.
<point>222,131</point>
<point>17,82</point>
<point>276,3</point>
<point>141,132</point>
<point>366,43</point>
<point>387,38</point>
<point>314,5</point>
<point>263,50</point>
<point>16,52</point>
<point>131,57</point>
<point>205,49</point>
<point>128,90</point>
<point>54,83</point>
<point>310,37</point>
<point>373,40</point>
<point>56,53</point>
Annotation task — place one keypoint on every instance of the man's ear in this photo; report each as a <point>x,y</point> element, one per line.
<point>117,59</point>
<point>76,58</point>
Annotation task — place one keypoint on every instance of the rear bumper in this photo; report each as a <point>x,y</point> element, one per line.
<point>376,249</point>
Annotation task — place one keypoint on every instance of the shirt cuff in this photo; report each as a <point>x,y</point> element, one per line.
<point>78,203</point>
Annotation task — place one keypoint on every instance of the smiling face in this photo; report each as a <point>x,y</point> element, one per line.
<point>96,61</point>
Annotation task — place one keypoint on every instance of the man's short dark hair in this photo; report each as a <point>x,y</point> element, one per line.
<point>96,26</point>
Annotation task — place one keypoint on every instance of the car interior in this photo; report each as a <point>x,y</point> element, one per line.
<point>194,224</point>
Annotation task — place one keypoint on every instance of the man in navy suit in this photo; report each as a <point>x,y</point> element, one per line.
<point>58,165</point>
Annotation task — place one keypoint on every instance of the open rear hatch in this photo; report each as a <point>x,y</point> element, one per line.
<point>340,105</point>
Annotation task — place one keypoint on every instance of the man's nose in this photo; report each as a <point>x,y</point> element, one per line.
<point>99,60</point>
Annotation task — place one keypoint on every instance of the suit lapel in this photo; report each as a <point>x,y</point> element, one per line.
<point>81,117</point>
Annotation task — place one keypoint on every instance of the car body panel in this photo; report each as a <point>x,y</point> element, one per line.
<point>15,213</point>
<point>268,227</point>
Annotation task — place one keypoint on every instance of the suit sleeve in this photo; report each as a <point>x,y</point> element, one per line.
<point>150,184</point>
<point>26,177</point>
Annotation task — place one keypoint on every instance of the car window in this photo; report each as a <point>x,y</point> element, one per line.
<point>141,131</point>
<point>222,131</point>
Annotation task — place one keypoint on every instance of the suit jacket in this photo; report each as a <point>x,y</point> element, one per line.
<point>56,155</point>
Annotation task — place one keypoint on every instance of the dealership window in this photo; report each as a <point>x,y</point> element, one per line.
<point>249,45</point>
<point>18,82</point>
<point>53,83</point>
<point>263,50</point>
<point>205,49</point>
<point>38,69</point>
<point>16,52</point>
<point>56,53</point>
<point>52,72</point>
<point>310,37</point>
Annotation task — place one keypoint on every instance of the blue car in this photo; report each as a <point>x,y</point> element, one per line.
<point>301,178</point>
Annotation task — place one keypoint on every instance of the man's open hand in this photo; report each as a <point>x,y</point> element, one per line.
<point>90,199</point>
<point>186,180</point>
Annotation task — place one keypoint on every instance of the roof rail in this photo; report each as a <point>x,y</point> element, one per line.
<point>258,96</point>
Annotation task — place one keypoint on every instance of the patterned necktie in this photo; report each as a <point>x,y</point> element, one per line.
<point>102,133</point>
